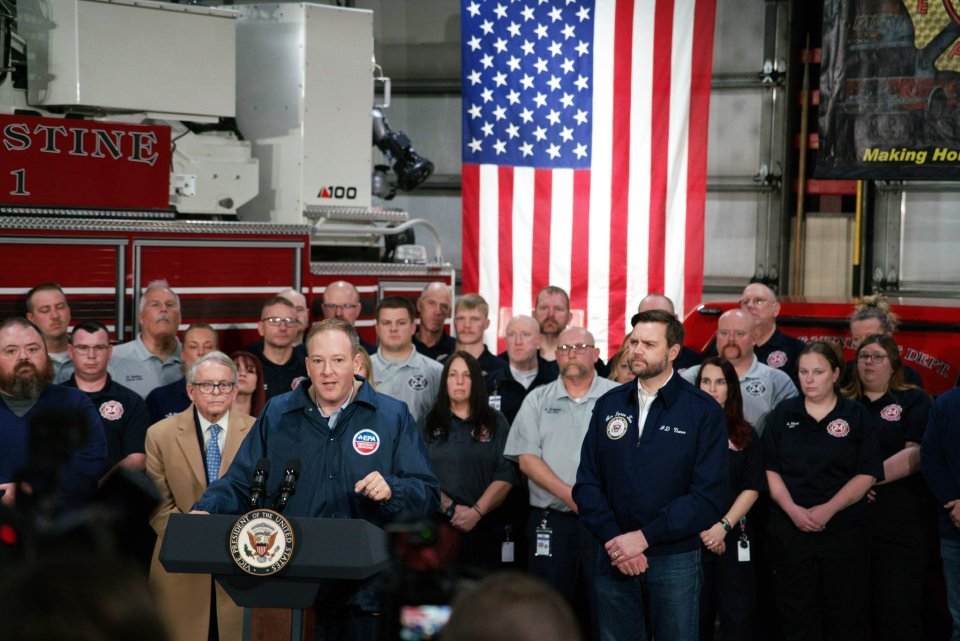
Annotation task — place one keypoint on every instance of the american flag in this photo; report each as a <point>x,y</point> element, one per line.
<point>584,154</point>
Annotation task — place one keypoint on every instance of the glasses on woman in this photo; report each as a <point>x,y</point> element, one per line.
<point>872,358</point>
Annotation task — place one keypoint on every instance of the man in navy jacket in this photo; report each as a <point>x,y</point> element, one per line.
<point>652,476</point>
<point>362,457</point>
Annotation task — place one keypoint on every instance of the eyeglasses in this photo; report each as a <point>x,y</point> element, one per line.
<point>276,321</point>
<point>872,358</point>
<point>345,307</point>
<point>223,387</point>
<point>85,349</point>
<point>581,348</point>
<point>756,302</point>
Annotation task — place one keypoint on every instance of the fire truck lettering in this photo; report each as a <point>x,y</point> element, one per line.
<point>16,137</point>
<point>143,146</point>
<point>50,137</point>
<point>103,139</point>
<point>78,136</point>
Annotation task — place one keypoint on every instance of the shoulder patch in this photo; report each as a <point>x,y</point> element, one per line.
<point>839,428</point>
<point>111,410</point>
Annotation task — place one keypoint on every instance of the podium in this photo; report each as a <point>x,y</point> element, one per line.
<point>278,607</point>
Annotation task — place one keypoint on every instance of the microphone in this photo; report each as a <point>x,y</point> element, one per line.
<point>289,485</point>
<point>259,485</point>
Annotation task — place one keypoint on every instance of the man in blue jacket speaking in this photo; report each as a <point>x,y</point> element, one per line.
<point>652,476</point>
<point>361,453</point>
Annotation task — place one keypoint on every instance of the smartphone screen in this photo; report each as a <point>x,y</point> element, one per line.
<point>421,622</point>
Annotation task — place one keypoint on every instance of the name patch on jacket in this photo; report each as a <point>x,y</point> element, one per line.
<point>366,442</point>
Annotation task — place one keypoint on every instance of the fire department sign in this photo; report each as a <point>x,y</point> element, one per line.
<point>261,542</point>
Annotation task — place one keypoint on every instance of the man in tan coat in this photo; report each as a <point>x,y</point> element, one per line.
<point>185,452</point>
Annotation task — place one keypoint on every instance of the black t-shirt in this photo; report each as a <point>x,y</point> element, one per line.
<point>910,375</point>
<point>898,417</point>
<point>124,416</point>
<point>465,465</point>
<point>816,459</point>
<point>279,379</point>
<point>511,393</point>
<point>686,359</point>
<point>445,346</point>
<point>746,473</point>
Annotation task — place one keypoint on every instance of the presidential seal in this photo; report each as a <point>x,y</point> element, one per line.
<point>617,427</point>
<point>261,542</point>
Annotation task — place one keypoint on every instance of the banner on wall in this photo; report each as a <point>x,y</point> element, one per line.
<point>889,90</point>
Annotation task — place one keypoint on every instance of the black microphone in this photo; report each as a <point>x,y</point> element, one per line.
<point>259,485</point>
<point>290,475</point>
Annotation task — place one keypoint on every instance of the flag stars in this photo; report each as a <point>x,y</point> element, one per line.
<point>527,47</point>
<point>487,94</point>
<point>580,150</point>
<point>581,116</point>
<point>566,134</point>
<point>513,97</point>
<point>556,14</point>
<point>500,79</point>
<point>580,83</point>
<point>527,81</point>
<point>500,112</point>
<point>487,61</point>
<point>474,43</point>
<point>474,9</point>
<point>526,115</point>
<point>567,65</point>
<point>513,63</point>
<point>553,150</point>
<point>514,30</point>
<point>583,13</point>
<point>501,11</point>
<point>541,31</point>
<point>526,149</point>
<point>567,100</point>
<point>541,65</point>
<point>487,27</point>
<point>475,111</point>
<point>487,129</point>
<point>554,117</point>
<point>475,145</point>
<point>540,100</point>
<point>582,48</point>
<point>553,83</point>
<point>540,133</point>
<point>555,49</point>
<point>568,31</point>
<point>527,13</point>
<point>500,45</point>
<point>474,77</point>
<point>500,147</point>
<point>513,131</point>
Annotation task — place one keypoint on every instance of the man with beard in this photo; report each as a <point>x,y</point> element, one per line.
<point>153,358</point>
<point>551,310</point>
<point>26,393</point>
<point>653,475</point>
<point>434,306</point>
<point>47,308</point>
<point>545,440</point>
<point>762,386</point>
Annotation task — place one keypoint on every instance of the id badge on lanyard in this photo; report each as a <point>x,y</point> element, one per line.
<point>544,534</point>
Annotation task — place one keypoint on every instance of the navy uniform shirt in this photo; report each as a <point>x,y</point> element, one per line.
<point>816,459</point>
<point>746,473</point>
<point>280,379</point>
<point>898,417</point>
<point>124,416</point>
<point>910,375</point>
<point>686,359</point>
<point>467,462</point>
<point>940,457</point>
<point>168,400</point>
<point>511,393</point>
<point>445,346</point>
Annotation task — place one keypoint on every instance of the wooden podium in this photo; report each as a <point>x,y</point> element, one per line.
<point>278,607</point>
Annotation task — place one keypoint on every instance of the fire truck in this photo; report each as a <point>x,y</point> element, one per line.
<point>227,151</point>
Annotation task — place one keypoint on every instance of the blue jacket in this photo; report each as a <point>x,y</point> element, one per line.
<point>672,484</point>
<point>940,457</point>
<point>79,476</point>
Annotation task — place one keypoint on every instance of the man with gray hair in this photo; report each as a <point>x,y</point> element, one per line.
<point>434,307</point>
<point>153,358</point>
<point>26,394</point>
<point>185,453</point>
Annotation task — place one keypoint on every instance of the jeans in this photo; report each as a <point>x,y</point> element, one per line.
<point>661,602</point>
<point>950,553</point>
